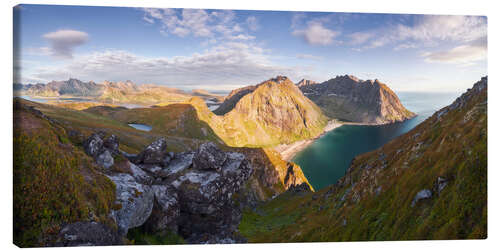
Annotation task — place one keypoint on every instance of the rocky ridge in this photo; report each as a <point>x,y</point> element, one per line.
<point>189,193</point>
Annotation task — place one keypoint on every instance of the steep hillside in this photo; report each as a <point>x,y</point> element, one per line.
<point>275,112</point>
<point>348,98</point>
<point>429,183</point>
<point>55,182</point>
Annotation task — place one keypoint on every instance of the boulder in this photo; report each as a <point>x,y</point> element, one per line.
<point>93,145</point>
<point>421,195</point>
<point>154,153</point>
<point>105,159</point>
<point>135,202</point>
<point>179,163</point>
<point>209,156</point>
<point>87,234</point>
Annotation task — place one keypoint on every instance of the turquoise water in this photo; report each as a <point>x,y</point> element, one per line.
<point>142,127</point>
<point>326,160</point>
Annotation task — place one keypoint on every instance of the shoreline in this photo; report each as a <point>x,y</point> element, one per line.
<point>288,151</point>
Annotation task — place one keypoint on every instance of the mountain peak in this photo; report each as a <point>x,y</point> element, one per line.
<point>349,98</point>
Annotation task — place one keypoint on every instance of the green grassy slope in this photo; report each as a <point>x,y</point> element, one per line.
<point>374,200</point>
<point>54,181</point>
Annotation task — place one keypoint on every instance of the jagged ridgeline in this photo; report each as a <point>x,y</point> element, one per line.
<point>429,183</point>
<point>350,99</point>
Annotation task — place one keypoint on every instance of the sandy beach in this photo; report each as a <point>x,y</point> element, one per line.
<point>288,151</point>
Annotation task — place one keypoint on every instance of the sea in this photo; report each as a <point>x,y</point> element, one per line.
<point>326,160</point>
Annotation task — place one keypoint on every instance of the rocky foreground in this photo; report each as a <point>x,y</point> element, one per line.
<point>190,193</point>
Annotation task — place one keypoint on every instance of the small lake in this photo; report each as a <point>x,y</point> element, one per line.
<point>142,127</point>
<point>326,160</point>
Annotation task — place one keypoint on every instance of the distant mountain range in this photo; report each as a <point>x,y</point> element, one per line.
<point>351,99</point>
<point>107,91</point>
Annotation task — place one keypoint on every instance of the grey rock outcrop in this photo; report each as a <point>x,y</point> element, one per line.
<point>190,192</point>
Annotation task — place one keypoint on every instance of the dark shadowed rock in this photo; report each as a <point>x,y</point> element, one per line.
<point>166,209</point>
<point>209,156</point>
<point>88,234</point>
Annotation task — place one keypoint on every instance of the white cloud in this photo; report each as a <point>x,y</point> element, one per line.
<point>200,23</point>
<point>427,31</point>
<point>63,42</point>
<point>466,54</point>
<point>230,63</point>
<point>316,34</point>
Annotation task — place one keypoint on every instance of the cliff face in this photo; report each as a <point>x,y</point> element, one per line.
<point>348,98</point>
<point>429,183</point>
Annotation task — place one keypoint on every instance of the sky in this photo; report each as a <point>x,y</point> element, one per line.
<point>220,50</point>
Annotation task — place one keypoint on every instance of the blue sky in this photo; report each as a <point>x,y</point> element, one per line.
<point>224,49</point>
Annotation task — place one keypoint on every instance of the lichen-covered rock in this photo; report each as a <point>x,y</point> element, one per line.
<point>135,202</point>
<point>205,198</point>
<point>154,153</point>
<point>87,234</point>
<point>166,209</point>
<point>209,156</point>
